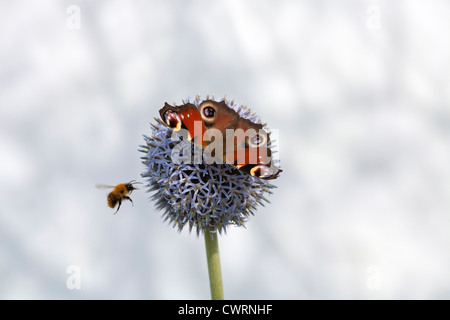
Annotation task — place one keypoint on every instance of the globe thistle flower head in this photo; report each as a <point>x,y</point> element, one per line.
<point>199,194</point>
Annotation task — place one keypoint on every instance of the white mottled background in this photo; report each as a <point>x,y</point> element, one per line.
<point>360,91</point>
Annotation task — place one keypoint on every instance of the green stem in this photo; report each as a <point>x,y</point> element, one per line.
<point>212,255</point>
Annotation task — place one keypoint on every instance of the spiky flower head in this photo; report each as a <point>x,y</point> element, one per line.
<point>197,193</point>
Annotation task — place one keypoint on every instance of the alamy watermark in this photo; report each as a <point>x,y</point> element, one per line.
<point>73,281</point>
<point>374,20</point>
<point>73,21</point>
<point>374,277</point>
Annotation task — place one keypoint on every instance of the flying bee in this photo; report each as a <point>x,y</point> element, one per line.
<point>119,193</point>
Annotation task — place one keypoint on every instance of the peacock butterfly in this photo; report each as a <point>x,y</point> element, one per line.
<point>220,130</point>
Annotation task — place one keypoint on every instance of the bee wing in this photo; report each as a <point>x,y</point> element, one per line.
<point>104,186</point>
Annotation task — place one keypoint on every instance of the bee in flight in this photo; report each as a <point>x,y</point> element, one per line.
<point>119,193</point>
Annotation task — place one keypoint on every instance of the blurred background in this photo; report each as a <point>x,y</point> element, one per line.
<point>360,91</point>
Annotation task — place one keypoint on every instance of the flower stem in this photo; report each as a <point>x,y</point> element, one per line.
<point>215,274</point>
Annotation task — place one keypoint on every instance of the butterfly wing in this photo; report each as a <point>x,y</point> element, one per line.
<point>185,117</point>
<point>222,132</point>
